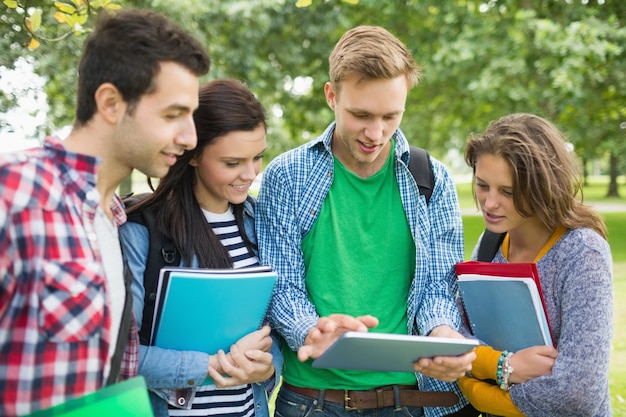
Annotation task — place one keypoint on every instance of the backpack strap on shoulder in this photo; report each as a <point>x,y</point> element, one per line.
<point>161,252</point>
<point>419,165</point>
<point>489,245</point>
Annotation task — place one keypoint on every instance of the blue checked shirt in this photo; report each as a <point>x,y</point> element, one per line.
<point>294,187</point>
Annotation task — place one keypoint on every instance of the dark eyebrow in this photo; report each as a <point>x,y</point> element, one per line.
<point>357,110</point>
<point>178,107</point>
<point>233,158</point>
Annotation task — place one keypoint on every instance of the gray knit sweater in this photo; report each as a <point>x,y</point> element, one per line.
<point>577,280</point>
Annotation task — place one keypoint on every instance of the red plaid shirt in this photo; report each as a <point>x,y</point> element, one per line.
<point>54,315</point>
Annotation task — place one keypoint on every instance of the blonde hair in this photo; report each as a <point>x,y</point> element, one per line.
<point>546,179</point>
<point>370,53</point>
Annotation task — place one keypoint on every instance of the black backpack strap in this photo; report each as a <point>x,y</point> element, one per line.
<point>161,252</point>
<point>419,165</point>
<point>124,330</point>
<point>489,245</point>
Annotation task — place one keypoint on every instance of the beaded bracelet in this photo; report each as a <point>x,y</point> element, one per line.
<point>499,370</point>
<point>504,370</point>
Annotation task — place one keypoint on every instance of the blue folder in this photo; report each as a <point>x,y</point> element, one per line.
<point>206,310</point>
<point>504,304</point>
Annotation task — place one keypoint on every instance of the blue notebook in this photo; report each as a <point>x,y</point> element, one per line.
<point>504,304</point>
<point>206,310</point>
<point>124,399</point>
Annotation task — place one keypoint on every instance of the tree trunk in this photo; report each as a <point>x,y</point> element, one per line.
<point>613,172</point>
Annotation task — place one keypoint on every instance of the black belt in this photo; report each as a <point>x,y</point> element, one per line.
<point>407,395</point>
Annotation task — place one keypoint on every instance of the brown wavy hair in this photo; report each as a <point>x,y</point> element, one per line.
<point>546,179</point>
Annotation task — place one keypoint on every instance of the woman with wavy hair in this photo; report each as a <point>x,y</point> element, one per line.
<point>527,185</point>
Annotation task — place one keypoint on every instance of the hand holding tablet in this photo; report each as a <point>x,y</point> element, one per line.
<point>388,352</point>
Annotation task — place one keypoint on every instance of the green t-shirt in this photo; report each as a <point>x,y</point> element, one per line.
<point>360,259</point>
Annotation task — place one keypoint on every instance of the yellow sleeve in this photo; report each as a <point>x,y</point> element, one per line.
<point>486,363</point>
<point>488,398</point>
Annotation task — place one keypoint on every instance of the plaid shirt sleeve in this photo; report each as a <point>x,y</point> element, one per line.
<point>440,231</point>
<point>290,313</point>
<point>438,235</point>
<point>54,323</point>
<point>130,360</point>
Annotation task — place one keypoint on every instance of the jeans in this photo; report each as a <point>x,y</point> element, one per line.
<point>290,404</point>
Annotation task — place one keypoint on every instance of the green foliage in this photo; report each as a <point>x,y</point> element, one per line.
<point>60,27</point>
<point>562,60</point>
<point>61,18</point>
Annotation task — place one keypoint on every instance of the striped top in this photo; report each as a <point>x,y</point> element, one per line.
<point>210,400</point>
<point>225,227</point>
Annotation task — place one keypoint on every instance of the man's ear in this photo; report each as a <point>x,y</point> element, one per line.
<point>329,92</point>
<point>110,104</point>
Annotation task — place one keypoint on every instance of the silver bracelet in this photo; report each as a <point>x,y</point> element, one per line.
<point>507,370</point>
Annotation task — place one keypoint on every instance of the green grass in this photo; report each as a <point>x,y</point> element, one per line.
<point>616,224</point>
<point>597,188</point>
<point>473,226</point>
<point>466,200</point>
<point>617,376</point>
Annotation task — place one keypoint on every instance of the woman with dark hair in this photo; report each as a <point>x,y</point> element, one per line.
<point>527,185</point>
<point>202,205</point>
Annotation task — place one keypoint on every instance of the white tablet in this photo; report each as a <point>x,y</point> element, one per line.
<point>388,352</point>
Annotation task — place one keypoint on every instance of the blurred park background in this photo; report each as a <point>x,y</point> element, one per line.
<point>561,59</point>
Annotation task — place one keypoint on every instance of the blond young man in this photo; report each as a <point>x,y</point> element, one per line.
<point>356,246</point>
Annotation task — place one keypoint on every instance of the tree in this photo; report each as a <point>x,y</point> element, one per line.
<point>570,69</point>
<point>34,21</point>
<point>50,35</point>
<point>561,59</point>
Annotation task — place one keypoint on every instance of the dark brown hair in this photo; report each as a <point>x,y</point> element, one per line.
<point>225,106</point>
<point>126,49</point>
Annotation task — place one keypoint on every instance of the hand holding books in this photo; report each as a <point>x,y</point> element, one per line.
<point>532,362</point>
<point>186,297</point>
<point>247,361</point>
